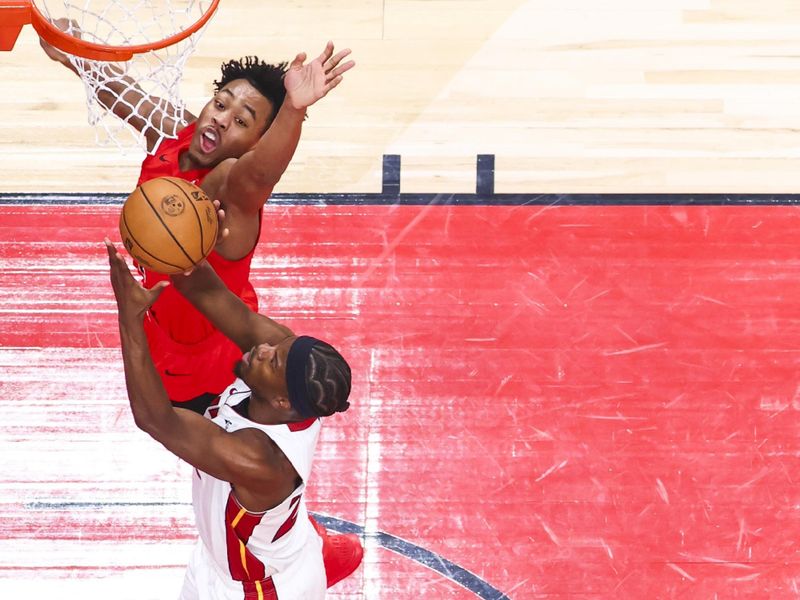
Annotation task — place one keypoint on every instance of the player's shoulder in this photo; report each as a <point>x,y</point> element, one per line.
<point>264,449</point>
<point>215,179</point>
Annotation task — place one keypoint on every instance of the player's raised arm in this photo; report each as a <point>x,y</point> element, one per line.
<point>240,457</point>
<point>121,94</point>
<point>226,311</point>
<point>251,178</point>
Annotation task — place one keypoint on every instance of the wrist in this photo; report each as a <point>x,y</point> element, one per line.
<point>295,110</point>
<point>129,324</point>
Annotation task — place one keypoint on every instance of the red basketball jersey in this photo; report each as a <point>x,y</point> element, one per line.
<point>164,162</point>
<point>188,366</point>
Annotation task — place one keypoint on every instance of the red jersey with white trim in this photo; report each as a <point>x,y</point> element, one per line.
<point>254,546</point>
<point>191,356</point>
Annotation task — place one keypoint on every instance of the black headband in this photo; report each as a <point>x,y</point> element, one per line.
<point>296,375</point>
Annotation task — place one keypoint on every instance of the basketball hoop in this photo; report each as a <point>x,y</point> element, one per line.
<point>13,15</point>
<point>130,55</point>
<point>16,13</point>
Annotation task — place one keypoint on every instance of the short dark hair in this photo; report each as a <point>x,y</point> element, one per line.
<point>266,78</point>
<point>328,380</point>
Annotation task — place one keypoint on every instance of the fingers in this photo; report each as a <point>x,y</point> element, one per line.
<point>334,70</point>
<point>220,211</point>
<point>333,83</point>
<point>223,231</point>
<point>113,255</point>
<point>327,53</point>
<point>341,70</point>
<point>156,290</point>
<point>63,23</point>
<point>116,261</point>
<point>118,268</point>
<point>337,59</point>
<point>199,265</point>
<point>133,299</point>
<point>298,61</point>
<point>69,26</point>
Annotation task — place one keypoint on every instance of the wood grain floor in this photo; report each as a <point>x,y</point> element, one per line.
<point>564,401</point>
<point>578,96</point>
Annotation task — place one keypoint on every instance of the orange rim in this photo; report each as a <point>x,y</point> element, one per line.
<point>72,45</point>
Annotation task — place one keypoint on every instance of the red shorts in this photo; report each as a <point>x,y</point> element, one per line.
<point>190,370</point>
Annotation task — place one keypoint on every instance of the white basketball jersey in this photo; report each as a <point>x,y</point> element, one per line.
<point>248,546</point>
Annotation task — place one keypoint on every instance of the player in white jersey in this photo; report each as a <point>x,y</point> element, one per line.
<point>253,454</point>
<point>277,548</point>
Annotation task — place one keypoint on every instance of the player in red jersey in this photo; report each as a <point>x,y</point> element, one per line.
<point>236,149</point>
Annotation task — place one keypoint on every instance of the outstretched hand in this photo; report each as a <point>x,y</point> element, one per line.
<point>133,299</point>
<point>307,83</point>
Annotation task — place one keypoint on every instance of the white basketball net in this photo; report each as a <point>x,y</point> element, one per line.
<point>157,73</point>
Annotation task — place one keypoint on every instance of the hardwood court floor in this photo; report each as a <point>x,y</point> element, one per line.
<point>572,96</point>
<point>566,401</point>
<point>561,401</point>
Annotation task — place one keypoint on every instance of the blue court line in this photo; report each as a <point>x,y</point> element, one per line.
<point>491,199</point>
<point>418,554</point>
<point>484,195</point>
<point>449,569</point>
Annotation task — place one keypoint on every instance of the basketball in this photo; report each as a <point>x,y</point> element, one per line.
<point>168,225</point>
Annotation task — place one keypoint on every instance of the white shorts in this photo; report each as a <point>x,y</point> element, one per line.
<point>303,580</point>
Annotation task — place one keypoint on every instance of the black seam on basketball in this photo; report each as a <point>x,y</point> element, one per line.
<point>199,222</point>
<point>142,248</point>
<point>167,229</point>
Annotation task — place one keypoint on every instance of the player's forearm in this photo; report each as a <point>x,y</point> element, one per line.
<point>120,93</point>
<point>274,151</point>
<point>205,290</point>
<point>70,66</point>
<point>226,311</point>
<point>114,91</point>
<point>150,405</point>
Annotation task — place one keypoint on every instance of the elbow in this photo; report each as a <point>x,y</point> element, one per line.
<point>266,180</point>
<point>258,186</point>
<point>150,423</point>
<point>144,423</point>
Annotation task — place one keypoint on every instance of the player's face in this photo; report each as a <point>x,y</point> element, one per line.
<point>263,368</point>
<point>230,124</point>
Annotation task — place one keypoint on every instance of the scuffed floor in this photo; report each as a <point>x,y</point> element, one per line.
<point>567,401</point>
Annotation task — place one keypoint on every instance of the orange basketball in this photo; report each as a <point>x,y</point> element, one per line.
<point>168,225</point>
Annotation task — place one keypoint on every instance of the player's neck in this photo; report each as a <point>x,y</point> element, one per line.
<point>186,162</point>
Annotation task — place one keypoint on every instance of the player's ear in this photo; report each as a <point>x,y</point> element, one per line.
<point>282,403</point>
